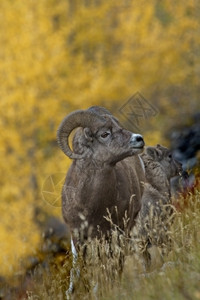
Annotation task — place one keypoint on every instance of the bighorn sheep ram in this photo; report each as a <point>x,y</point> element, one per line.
<point>105,174</point>
<point>155,215</point>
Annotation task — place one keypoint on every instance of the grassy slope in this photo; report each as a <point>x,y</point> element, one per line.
<point>178,277</point>
<point>174,276</point>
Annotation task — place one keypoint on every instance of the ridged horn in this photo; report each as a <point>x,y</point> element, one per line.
<point>99,110</point>
<point>78,118</point>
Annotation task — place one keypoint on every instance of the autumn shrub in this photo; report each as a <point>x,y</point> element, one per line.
<point>57,56</point>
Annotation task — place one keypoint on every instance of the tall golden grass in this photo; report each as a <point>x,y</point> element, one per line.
<point>175,275</point>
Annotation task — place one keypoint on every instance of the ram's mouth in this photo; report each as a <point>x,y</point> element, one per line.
<point>137,149</point>
<point>139,146</point>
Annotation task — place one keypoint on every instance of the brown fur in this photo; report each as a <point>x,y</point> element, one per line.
<point>154,217</point>
<point>105,180</point>
<point>160,167</point>
<point>88,193</point>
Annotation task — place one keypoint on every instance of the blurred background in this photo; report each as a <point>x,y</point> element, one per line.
<point>57,56</point>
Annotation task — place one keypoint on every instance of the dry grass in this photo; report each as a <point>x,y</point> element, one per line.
<point>175,275</point>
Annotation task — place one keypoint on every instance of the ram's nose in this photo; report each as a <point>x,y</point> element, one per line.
<point>137,141</point>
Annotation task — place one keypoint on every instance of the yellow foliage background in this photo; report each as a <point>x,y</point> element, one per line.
<point>57,56</point>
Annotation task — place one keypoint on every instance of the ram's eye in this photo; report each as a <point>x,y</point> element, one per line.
<point>170,156</point>
<point>105,134</point>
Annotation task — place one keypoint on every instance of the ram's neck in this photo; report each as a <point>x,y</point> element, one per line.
<point>92,167</point>
<point>93,181</point>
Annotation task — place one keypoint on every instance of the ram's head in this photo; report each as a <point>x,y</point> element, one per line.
<point>164,157</point>
<point>100,137</point>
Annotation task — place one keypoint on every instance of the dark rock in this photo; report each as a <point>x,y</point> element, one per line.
<point>185,144</point>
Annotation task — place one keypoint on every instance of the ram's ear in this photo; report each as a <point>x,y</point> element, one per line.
<point>153,152</point>
<point>88,134</point>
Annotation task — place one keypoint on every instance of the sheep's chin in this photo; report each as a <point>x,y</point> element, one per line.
<point>137,150</point>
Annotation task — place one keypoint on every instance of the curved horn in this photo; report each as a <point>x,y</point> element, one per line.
<point>78,118</point>
<point>103,111</point>
<point>99,110</point>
